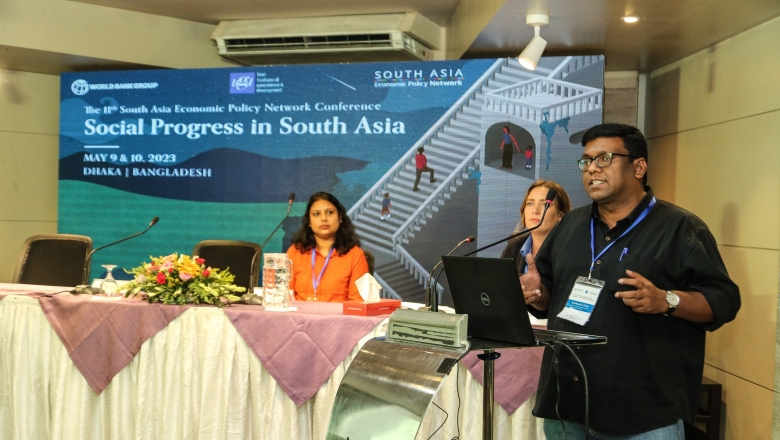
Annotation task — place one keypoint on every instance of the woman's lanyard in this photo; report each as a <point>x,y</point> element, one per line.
<point>315,282</point>
<point>593,255</point>
<point>529,243</point>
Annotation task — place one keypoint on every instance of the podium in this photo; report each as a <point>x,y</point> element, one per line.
<point>388,388</point>
<point>392,380</point>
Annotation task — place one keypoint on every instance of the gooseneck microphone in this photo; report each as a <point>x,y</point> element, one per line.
<point>85,273</point>
<point>547,202</point>
<point>291,198</point>
<point>289,207</point>
<point>431,297</point>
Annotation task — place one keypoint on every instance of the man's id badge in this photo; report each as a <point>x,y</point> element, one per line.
<point>582,300</point>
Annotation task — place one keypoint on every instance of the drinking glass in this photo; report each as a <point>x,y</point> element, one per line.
<point>109,285</point>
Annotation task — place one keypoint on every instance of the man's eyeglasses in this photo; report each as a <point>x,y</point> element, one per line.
<point>602,160</point>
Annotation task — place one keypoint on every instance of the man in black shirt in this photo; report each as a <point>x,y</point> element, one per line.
<point>642,272</point>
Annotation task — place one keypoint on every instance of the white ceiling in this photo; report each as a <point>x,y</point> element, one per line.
<point>668,30</point>
<point>213,11</point>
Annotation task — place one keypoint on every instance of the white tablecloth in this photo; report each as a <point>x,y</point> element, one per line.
<point>195,379</point>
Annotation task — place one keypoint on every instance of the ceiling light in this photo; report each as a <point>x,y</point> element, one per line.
<point>630,19</point>
<point>533,52</point>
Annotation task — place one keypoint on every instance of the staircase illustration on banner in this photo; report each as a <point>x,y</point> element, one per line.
<point>452,146</point>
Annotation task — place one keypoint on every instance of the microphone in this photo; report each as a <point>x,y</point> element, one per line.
<point>291,198</point>
<point>289,207</point>
<point>548,200</point>
<point>290,202</point>
<point>431,297</point>
<point>84,287</point>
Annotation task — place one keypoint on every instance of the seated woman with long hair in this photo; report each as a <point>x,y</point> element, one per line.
<point>326,254</point>
<point>530,215</point>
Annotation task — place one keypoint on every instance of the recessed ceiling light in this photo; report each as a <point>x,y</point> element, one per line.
<point>630,19</point>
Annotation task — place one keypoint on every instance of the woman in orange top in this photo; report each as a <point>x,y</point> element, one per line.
<point>326,254</point>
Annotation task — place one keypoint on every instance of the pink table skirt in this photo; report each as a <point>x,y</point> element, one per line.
<point>516,375</point>
<point>299,349</point>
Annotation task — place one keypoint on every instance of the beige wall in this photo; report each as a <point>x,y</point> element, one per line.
<point>714,130</point>
<point>96,34</point>
<point>29,122</point>
<point>29,102</point>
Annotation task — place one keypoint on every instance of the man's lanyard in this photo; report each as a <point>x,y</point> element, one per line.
<point>593,255</point>
<point>315,282</point>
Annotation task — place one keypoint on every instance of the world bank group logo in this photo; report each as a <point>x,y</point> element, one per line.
<point>243,82</point>
<point>79,87</point>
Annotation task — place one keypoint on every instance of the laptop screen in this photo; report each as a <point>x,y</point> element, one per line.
<point>488,290</point>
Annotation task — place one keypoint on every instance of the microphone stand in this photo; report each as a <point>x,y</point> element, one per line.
<point>85,272</point>
<point>433,298</point>
<point>546,207</point>
<point>431,295</point>
<point>289,208</point>
<point>262,246</point>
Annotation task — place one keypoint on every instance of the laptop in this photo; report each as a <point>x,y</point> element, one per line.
<point>488,291</point>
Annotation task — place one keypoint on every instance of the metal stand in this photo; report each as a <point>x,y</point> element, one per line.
<point>488,358</point>
<point>388,388</point>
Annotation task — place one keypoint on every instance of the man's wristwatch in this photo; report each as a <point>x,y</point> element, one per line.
<point>673,300</point>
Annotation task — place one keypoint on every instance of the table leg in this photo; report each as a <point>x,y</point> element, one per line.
<point>488,358</point>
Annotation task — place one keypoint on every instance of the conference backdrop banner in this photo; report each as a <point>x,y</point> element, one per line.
<point>215,153</point>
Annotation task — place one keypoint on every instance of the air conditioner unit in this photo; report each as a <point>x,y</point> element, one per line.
<point>352,38</point>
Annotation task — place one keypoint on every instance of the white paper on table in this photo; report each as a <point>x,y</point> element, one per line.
<point>536,321</point>
<point>369,288</point>
<point>421,306</point>
<point>411,305</point>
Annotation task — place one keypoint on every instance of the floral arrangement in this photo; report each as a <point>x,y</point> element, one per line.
<point>181,279</point>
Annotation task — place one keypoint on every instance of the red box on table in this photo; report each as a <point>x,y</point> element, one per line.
<point>383,307</point>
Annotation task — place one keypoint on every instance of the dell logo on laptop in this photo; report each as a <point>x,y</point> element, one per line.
<point>485,298</point>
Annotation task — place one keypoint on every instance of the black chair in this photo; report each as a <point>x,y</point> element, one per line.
<point>370,261</point>
<point>53,260</point>
<point>241,257</point>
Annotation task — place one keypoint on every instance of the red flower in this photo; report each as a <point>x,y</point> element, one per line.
<point>200,260</point>
<point>170,270</point>
<point>161,278</point>
<point>205,272</point>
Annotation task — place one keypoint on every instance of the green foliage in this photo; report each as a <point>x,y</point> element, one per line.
<point>181,279</point>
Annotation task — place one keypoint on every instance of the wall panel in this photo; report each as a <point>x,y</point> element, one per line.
<point>746,409</point>
<point>28,165</point>
<point>29,121</point>
<point>734,79</point>
<point>727,175</point>
<point>12,236</point>
<point>714,125</point>
<point>744,347</point>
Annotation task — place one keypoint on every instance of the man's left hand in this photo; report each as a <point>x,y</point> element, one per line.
<point>646,298</point>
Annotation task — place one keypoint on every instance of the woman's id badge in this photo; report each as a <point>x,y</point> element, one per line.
<point>582,300</point>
